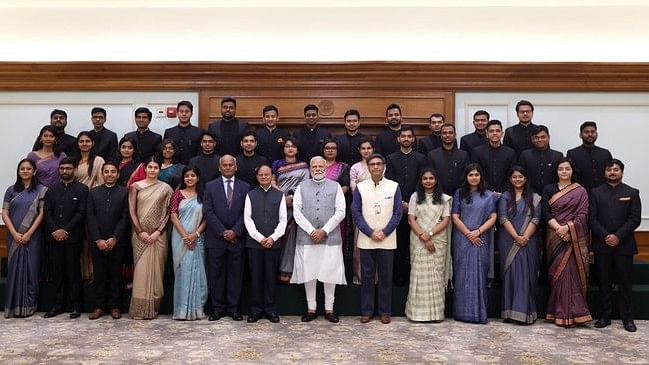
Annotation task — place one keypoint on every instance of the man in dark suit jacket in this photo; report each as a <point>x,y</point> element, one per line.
<point>223,203</point>
<point>65,212</point>
<point>229,130</point>
<point>107,220</point>
<point>614,213</point>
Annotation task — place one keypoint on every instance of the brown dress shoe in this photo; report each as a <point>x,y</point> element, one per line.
<point>116,313</point>
<point>96,314</point>
<point>365,319</point>
<point>385,319</point>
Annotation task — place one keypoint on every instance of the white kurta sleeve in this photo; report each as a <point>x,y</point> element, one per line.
<point>281,226</point>
<point>249,223</point>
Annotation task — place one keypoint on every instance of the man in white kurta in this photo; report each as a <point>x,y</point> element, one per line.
<point>318,208</point>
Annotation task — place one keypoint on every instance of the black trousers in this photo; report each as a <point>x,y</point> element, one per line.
<point>66,261</point>
<point>373,261</point>
<point>108,273</point>
<point>401,267</point>
<point>264,265</point>
<point>619,267</point>
<point>224,277</point>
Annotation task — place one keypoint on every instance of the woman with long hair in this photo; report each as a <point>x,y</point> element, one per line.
<point>170,168</point>
<point>519,213</point>
<point>190,287</point>
<point>429,212</point>
<point>47,155</point>
<point>474,216</point>
<point>22,214</point>
<point>130,170</point>
<point>288,173</point>
<point>565,205</point>
<point>148,203</point>
<point>89,163</point>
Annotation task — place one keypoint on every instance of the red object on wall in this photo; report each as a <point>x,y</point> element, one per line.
<point>171,112</point>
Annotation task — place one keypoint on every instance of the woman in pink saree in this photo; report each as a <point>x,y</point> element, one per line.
<point>566,208</point>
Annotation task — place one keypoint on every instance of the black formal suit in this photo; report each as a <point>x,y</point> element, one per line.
<point>107,217</point>
<point>224,259</point>
<point>614,210</point>
<point>65,208</point>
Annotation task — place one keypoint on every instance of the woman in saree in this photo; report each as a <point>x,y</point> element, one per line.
<point>190,288</point>
<point>170,169</point>
<point>46,155</point>
<point>474,216</point>
<point>288,173</point>
<point>339,172</point>
<point>22,214</point>
<point>357,173</point>
<point>519,213</point>
<point>565,205</point>
<point>429,212</point>
<point>148,203</point>
<point>89,164</point>
<point>88,172</point>
<point>130,171</point>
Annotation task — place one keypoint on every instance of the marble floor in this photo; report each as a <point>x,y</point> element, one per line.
<point>36,340</point>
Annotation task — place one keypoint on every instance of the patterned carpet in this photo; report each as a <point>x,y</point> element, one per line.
<point>163,341</point>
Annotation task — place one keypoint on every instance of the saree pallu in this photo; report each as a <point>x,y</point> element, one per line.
<point>190,288</point>
<point>288,177</point>
<point>21,291</point>
<point>568,260</point>
<point>429,272</point>
<point>152,210</point>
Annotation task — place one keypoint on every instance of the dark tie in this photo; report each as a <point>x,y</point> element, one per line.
<point>228,192</point>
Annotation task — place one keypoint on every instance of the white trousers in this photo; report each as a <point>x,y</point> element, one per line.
<point>329,294</point>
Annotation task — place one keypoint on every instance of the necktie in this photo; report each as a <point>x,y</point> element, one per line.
<point>228,192</point>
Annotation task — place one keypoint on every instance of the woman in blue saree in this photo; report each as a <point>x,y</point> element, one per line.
<point>474,215</point>
<point>170,169</point>
<point>190,288</point>
<point>22,213</point>
<point>519,213</point>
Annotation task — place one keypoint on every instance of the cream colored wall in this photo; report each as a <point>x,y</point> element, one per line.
<point>332,30</point>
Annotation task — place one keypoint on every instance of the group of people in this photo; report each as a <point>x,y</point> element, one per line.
<point>306,206</point>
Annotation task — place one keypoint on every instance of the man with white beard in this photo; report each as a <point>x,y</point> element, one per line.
<point>318,208</point>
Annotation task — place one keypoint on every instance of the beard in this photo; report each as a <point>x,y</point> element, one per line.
<point>318,176</point>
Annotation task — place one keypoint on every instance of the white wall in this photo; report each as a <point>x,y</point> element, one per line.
<point>23,114</point>
<point>332,30</point>
<point>622,122</point>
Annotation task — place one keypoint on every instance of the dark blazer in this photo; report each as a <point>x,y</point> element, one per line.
<point>65,208</point>
<point>107,214</point>
<point>614,210</point>
<point>217,214</point>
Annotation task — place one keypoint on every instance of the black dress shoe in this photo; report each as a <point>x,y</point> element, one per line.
<point>215,316</point>
<point>273,317</point>
<point>602,322</point>
<point>236,316</point>
<point>76,313</point>
<point>308,317</point>
<point>630,326</point>
<point>53,313</point>
<point>331,317</point>
<point>255,317</point>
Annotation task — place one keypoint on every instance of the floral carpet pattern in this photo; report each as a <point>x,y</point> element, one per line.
<point>37,340</point>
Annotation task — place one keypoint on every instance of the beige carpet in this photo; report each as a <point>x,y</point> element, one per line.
<point>37,340</point>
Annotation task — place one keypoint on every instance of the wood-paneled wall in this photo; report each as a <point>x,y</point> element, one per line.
<point>420,88</point>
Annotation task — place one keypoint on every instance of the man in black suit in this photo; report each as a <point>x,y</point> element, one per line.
<point>540,161</point>
<point>223,203</point>
<point>65,212</point>
<point>311,137</point>
<point>146,139</point>
<point>427,144</point>
<point>348,142</point>
<point>107,216</point>
<point>105,139</point>
<point>614,214</point>
<point>386,142</point>
<point>590,160</point>
<point>449,161</point>
<point>478,137</point>
<point>66,142</point>
<point>228,130</point>
<point>186,137</point>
